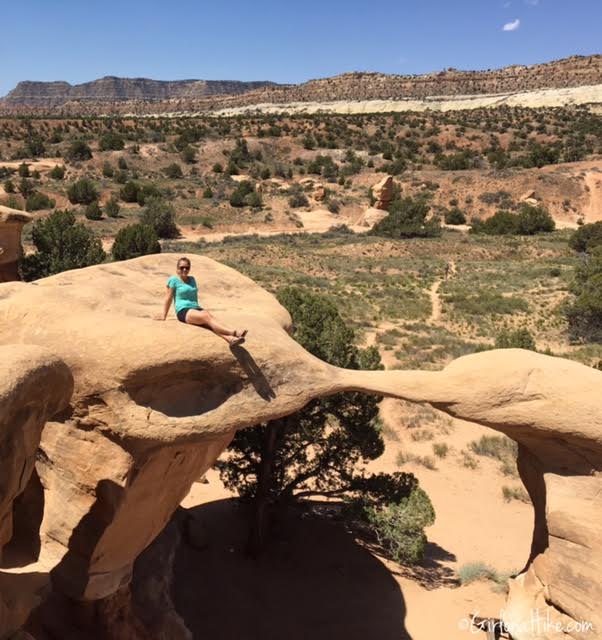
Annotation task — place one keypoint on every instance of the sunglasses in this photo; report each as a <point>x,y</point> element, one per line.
<point>184,268</point>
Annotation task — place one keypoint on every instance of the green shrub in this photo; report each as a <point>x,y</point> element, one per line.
<point>129,191</point>
<point>188,155</point>
<point>474,571</point>
<point>23,170</point>
<point>532,220</point>
<point>515,493</point>
<point>528,221</point>
<point>134,241</point>
<point>254,200</point>
<point>455,216</point>
<point>297,200</point>
<point>243,189</point>
<point>455,161</point>
<point>173,171</point>
<point>147,192</point>
<point>78,151</point>
<point>515,339</point>
<point>468,460</point>
<point>107,170</point>
<point>208,192</point>
<point>407,219</point>
<point>399,527</point>
<point>497,447</point>
<point>83,191</point>
<point>111,141</point>
<point>61,244</point>
<point>440,449</point>
<point>9,186</point>
<point>36,201</point>
<point>26,187</point>
<point>112,207</point>
<point>57,172</point>
<point>160,215</point>
<point>12,202</point>
<point>93,211</point>
<point>499,224</point>
<point>587,237</point>
<point>584,315</point>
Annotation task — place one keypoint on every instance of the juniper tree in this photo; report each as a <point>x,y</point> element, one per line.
<point>323,449</point>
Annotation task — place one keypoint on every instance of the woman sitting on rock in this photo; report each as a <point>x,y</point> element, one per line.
<point>182,290</point>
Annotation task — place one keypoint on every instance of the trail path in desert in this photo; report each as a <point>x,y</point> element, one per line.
<point>434,293</point>
<point>593,210</point>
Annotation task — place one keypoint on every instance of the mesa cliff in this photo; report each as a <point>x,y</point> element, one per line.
<point>144,96</point>
<point>112,89</point>
<point>135,410</point>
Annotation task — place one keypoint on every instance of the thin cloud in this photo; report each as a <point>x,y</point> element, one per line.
<point>511,26</point>
<point>533,3</point>
<point>506,5</point>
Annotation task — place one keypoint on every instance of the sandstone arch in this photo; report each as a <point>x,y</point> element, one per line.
<point>116,464</point>
<point>34,385</point>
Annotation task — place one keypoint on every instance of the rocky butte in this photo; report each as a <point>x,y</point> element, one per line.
<point>145,96</point>
<point>133,411</point>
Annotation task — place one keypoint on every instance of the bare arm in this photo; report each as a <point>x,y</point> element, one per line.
<point>167,303</point>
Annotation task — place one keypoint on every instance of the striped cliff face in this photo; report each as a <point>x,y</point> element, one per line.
<point>143,95</point>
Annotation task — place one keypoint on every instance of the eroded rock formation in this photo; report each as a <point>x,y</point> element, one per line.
<point>11,224</point>
<point>155,403</point>
<point>383,193</point>
<point>552,408</point>
<point>34,385</point>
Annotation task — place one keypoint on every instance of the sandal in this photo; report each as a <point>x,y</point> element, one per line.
<point>238,338</point>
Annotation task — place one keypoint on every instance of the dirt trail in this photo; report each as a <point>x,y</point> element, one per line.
<point>592,212</point>
<point>450,272</point>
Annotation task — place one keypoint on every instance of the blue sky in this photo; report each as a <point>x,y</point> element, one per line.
<point>284,41</point>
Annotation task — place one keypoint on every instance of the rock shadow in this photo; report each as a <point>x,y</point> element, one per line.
<point>431,573</point>
<point>314,582</point>
<point>28,511</point>
<point>254,373</point>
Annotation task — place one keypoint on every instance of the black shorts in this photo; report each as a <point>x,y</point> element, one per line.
<point>181,314</point>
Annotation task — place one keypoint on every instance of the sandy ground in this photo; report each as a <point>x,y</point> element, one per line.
<point>593,210</point>
<point>316,221</point>
<point>40,165</point>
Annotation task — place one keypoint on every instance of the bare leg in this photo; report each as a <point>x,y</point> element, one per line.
<point>205,319</point>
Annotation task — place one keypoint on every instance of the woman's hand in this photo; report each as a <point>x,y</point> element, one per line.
<point>159,318</point>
